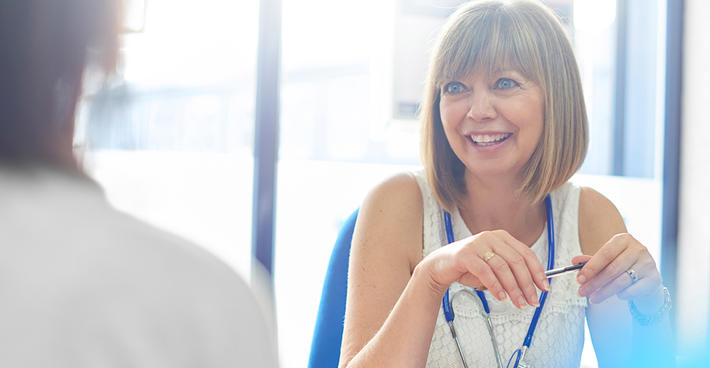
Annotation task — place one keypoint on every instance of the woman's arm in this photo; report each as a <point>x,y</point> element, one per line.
<point>394,295</point>
<point>386,247</point>
<point>619,340</point>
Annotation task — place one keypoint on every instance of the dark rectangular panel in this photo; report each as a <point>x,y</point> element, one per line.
<point>671,142</point>
<point>266,132</point>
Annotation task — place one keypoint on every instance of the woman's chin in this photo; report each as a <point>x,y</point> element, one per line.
<point>492,171</point>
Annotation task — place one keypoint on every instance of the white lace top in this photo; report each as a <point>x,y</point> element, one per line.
<point>559,336</point>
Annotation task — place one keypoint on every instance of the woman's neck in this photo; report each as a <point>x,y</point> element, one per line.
<point>497,204</point>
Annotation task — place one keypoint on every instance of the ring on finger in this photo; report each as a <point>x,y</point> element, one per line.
<point>633,275</point>
<point>488,255</point>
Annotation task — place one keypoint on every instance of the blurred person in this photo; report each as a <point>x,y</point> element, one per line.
<point>81,284</point>
<point>504,129</point>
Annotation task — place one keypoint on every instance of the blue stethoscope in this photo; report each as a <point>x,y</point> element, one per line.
<point>518,354</point>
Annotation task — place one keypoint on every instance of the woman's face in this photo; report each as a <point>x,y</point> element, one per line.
<point>492,122</point>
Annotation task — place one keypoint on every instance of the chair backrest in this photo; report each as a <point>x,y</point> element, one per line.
<point>328,334</point>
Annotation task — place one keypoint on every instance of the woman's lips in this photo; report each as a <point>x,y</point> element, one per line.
<point>490,139</point>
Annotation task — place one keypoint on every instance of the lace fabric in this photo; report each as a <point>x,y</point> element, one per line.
<point>559,336</point>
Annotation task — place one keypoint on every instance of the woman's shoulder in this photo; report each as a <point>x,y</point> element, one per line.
<point>387,216</point>
<point>395,201</point>
<point>399,191</point>
<point>595,208</point>
<point>599,220</point>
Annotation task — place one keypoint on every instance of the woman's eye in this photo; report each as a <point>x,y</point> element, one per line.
<point>506,83</point>
<point>454,88</point>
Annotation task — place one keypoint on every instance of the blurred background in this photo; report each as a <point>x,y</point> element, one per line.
<point>334,85</point>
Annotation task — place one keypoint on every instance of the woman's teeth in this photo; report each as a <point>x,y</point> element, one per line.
<point>489,139</point>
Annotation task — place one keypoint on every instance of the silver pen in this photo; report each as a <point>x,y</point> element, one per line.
<point>560,271</point>
<point>552,273</point>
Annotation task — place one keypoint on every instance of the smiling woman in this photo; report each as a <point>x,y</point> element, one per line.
<point>504,128</point>
<point>486,44</point>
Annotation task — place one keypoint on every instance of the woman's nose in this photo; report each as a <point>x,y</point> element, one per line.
<point>481,108</point>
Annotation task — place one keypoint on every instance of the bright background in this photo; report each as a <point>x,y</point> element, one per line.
<point>171,140</point>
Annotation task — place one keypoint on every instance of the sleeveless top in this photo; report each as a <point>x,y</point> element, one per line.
<point>559,335</point>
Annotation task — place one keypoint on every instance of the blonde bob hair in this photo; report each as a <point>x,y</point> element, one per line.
<point>527,37</point>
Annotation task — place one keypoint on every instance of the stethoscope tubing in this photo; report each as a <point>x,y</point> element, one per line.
<point>489,326</point>
<point>446,302</point>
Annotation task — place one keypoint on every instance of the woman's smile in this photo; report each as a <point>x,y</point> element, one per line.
<point>489,141</point>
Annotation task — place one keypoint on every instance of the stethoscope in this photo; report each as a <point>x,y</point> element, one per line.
<point>518,354</point>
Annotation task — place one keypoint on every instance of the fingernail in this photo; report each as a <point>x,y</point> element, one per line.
<point>581,279</point>
<point>522,303</point>
<point>546,284</point>
<point>501,296</point>
<point>581,291</point>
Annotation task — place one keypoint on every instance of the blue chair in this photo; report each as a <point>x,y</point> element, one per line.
<point>328,334</point>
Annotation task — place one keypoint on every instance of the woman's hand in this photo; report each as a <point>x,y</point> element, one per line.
<point>622,267</point>
<point>493,259</point>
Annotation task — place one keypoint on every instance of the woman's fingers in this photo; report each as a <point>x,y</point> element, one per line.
<point>508,280</point>
<point>608,275</point>
<point>644,286</point>
<point>620,283</point>
<point>496,260</point>
<point>605,265</point>
<point>470,280</point>
<point>482,271</point>
<point>629,284</point>
<point>580,258</point>
<point>524,291</point>
<point>534,267</point>
<point>504,266</point>
<point>621,267</point>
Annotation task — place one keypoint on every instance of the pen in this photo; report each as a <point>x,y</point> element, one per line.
<point>559,271</point>
<point>552,273</point>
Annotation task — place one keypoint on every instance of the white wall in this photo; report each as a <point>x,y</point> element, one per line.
<point>694,207</point>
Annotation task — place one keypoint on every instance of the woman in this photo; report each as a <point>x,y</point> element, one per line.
<point>504,128</point>
<point>81,284</point>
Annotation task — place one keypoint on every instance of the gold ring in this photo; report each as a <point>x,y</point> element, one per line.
<point>488,255</point>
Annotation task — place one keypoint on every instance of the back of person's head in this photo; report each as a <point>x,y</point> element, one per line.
<point>46,46</point>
